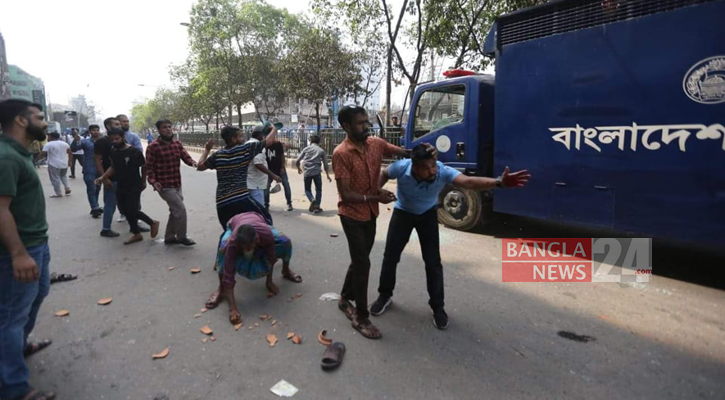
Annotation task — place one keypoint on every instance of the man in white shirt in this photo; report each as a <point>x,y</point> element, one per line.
<point>59,159</point>
<point>258,172</point>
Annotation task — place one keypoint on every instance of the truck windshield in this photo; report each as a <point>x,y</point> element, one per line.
<point>438,108</point>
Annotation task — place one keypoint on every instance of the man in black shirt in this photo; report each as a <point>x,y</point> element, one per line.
<point>126,161</point>
<point>276,164</point>
<point>102,158</point>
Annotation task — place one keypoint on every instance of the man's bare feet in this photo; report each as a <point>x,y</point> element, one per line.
<point>235,317</point>
<point>272,288</point>
<point>214,299</point>
<point>290,276</point>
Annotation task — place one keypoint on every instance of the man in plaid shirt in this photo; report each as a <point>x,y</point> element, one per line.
<point>162,168</point>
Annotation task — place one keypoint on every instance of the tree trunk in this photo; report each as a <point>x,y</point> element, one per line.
<point>207,126</point>
<point>317,111</point>
<point>239,115</point>
<point>217,121</point>
<point>231,115</point>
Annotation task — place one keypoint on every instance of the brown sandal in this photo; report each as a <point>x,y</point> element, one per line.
<point>367,329</point>
<point>347,308</point>
<point>213,302</point>
<point>292,277</point>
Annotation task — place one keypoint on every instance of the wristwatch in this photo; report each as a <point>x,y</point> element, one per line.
<point>499,182</point>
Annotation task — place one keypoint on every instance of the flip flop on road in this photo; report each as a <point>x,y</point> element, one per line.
<point>34,347</point>
<point>61,277</point>
<point>292,277</point>
<point>333,356</point>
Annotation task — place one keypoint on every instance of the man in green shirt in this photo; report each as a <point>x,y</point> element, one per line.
<point>24,253</point>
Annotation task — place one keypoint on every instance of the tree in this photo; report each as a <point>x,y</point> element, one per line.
<point>217,36</point>
<point>459,28</point>
<point>360,21</point>
<point>319,68</point>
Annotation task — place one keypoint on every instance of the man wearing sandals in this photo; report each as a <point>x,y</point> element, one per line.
<point>24,252</point>
<point>356,163</point>
<point>420,180</point>
<point>249,247</point>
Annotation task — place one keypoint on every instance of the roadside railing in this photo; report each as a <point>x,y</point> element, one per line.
<point>295,139</point>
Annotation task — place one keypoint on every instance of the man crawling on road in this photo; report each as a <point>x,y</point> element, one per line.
<point>250,248</point>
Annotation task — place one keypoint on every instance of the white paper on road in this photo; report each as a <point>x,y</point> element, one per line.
<point>330,297</point>
<point>284,389</point>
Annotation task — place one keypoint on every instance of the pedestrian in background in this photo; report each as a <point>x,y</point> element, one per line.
<point>162,168</point>
<point>258,174</point>
<point>77,153</point>
<point>60,159</point>
<point>312,158</point>
<point>87,145</point>
<point>24,252</point>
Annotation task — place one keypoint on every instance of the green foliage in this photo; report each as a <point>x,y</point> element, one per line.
<point>319,68</point>
<point>459,28</point>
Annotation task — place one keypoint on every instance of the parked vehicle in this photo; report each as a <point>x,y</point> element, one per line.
<point>616,107</point>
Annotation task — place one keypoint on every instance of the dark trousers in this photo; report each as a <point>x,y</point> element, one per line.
<point>285,185</point>
<point>79,158</point>
<point>360,239</point>
<point>129,203</point>
<point>226,212</point>
<point>318,188</point>
<point>401,226</point>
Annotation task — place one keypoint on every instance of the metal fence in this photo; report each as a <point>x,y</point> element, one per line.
<point>295,139</point>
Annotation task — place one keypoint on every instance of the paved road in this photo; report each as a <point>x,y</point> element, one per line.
<point>663,340</point>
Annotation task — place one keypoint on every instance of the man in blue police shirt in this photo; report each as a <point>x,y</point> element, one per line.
<point>420,180</point>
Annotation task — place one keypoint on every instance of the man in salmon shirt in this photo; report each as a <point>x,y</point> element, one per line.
<point>356,163</point>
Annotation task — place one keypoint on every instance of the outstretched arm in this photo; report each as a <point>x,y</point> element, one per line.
<point>506,180</point>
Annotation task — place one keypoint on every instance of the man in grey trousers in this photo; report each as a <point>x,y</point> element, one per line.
<point>162,168</point>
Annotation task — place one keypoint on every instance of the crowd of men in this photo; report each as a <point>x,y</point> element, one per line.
<point>249,244</point>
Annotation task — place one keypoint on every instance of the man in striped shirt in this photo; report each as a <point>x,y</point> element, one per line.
<point>231,164</point>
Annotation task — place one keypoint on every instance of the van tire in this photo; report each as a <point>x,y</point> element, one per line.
<point>460,208</point>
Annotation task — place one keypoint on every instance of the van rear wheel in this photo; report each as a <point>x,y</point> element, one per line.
<point>460,208</point>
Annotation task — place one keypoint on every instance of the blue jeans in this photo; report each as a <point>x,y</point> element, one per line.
<point>109,206</point>
<point>258,195</point>
<point>285,185</point>
<point>318,188</point>
<point>92,190</point>
<point>19,305</point>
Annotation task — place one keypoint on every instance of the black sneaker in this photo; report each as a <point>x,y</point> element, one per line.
<point>313,207</point>
<point>109,233</point>
<point>171,241</point>
<point>289,207</point>
<point>380,305</point>
<point>440,318</point>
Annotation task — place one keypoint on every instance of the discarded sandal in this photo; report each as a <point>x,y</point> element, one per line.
<point>61,277</point>
<point>333,356</point>
<point>34,347</point>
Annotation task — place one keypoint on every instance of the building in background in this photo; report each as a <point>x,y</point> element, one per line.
<point>27,87</point>
<point>4,71</point>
